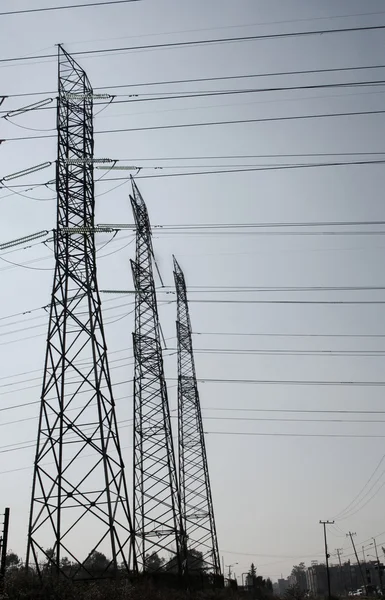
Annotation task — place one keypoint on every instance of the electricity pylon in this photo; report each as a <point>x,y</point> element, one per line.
<point>156,510</point>
<point>195,490</point>
<point>79,502</point>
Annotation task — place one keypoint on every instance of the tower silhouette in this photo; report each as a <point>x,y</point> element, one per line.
<point>156,509</point>
<point>196,500</point>
<point>79,502</point>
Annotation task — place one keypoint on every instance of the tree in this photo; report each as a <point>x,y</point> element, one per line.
<point>195,563</point>
<point>294,592</point>
<point>97,563</point>
<point>153,562</point>
<point>259,587</point>
<point>298,574</point>
<point>12,561</point>
<point>298,569</point>
<point>66,565</point>
<point>251,577</point>
<point>48,565</point>
<point>253,571</point>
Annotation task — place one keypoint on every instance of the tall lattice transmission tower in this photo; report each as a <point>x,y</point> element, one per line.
<point>156,510</point>
<point>79,503</point>
<point>195,489</point>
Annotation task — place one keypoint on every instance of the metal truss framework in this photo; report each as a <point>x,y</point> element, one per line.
<point>79,502</point>
<point>156,510</point>
<point>195,490</point>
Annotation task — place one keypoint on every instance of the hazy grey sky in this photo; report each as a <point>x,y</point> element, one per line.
<point>270,491</point>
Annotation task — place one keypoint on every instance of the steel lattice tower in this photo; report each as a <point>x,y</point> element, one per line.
<point>195,490</point>
<point>156,511</point>
<point>79,497</point>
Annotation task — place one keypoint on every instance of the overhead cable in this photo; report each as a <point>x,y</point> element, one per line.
<point>217,123</point>
<point>209,79</point>
<point>66,7</point>
<point>210,41</point>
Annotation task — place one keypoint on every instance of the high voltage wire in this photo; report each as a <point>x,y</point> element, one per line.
<point>286,290</point>
<point>221,333</point>
<point>295,335</point>
<point>292,382</point>
<point>171,351</point>
<point>267,352</point>
<point>6,449</point>
<point>350,506</point>
<point>212,93</point>
<point>209,41</point>
<point>243,170</point>
<point>272,224</point>
<point>288,302</point>
<point>359,508</point>
<point>239,381</point>
<point>216,123</point>
<point>213,169</point>
<point>242,156</point>
<point>70,6</point>
<point>259,419</point>
<point>295,410</point>
<point>228,171</point>
<point>209,79</point>
<point>262,434</point>
<point>6,423</point>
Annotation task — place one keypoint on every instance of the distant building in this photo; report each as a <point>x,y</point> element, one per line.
<point>276,589</point>
<point>283,584</point>
<point>347,578</point>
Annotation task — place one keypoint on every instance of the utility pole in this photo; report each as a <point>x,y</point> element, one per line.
<point>79,491</point>
<point>379,566</point>
<point>343,583</point>
<point>4,543</point>
<point>194,479</point>
<point>350,534</point>
<point>327,555</point>
<point>350,576</point>
<point>229,566</point>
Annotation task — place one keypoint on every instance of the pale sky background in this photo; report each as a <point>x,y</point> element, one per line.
<point>270,491</point>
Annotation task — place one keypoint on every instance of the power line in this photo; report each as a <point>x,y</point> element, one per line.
<point>202,289</point>
<point>293,382</point>
<point>208,41</point>
<point>367,501</point>
<point>349,507</point>
<point>263,434</point>
<point>243,170</point>
<point>209,79</point>
<point>237,381</point>
<point>216,123</point>
<point>295,335</point>
<point>70,6</point>
<point>290,420</point>
<point>296,410</point>
<point>288,352</point>
<point>243,156</point>
<point>6,449</point>
<point>314,302</point>
<point>272,224</point>
<point>7,423</point>
<point>213,93</point>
